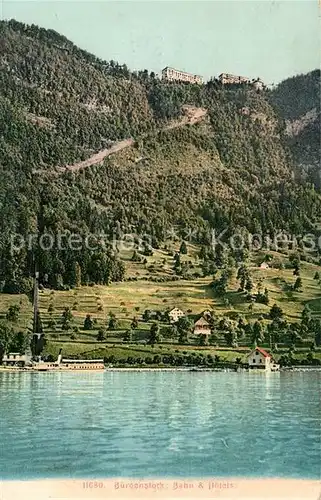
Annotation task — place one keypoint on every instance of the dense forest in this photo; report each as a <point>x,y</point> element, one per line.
<point>235,170</point>
<point>297,101</point>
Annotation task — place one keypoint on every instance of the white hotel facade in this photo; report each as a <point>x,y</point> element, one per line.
<point>172,74</point>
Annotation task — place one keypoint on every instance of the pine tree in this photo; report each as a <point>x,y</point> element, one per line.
<point>276,312</point>
<point>88,323</point>
<point>112,323</point>
<point>183,248</point>
<point>101,334</point>
<point>134,323</point>
<point>154,334</point>
<point>298,284</point>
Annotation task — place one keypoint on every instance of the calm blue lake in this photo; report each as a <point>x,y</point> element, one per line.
<point>159,424</point>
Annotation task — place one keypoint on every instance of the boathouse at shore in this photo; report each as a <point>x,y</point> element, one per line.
<point>261,359</point>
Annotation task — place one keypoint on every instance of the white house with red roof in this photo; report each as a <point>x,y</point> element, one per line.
<point>261,359</point>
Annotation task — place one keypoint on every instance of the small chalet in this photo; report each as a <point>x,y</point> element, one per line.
<point>202,327</point>
<point>175,314</point>
<point>264,265</point>
<point>261,359</point>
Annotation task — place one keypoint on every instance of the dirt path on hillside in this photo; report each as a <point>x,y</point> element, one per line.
<point>99,157</point>
<point>192,115</point>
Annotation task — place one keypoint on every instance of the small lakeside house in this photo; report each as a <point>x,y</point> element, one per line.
<point>175,314</point>
<point>262,360</point>
<point>202,327</point>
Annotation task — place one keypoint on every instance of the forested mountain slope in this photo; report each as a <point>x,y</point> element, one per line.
<point>60,105</point>
<point>297,101</point>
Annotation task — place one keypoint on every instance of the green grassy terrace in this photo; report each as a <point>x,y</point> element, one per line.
<point>144,290</point>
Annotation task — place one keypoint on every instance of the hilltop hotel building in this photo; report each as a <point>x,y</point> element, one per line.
<point>175,75</point>
<point>225,78</point>
<point>171,74</point>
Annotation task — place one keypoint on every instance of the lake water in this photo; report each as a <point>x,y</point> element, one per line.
<point>159,424</point>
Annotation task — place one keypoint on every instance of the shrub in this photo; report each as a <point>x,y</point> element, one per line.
<point>88,323</point>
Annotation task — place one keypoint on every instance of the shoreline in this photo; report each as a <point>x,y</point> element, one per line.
<point>118,488</point>
<point>161,369</point>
